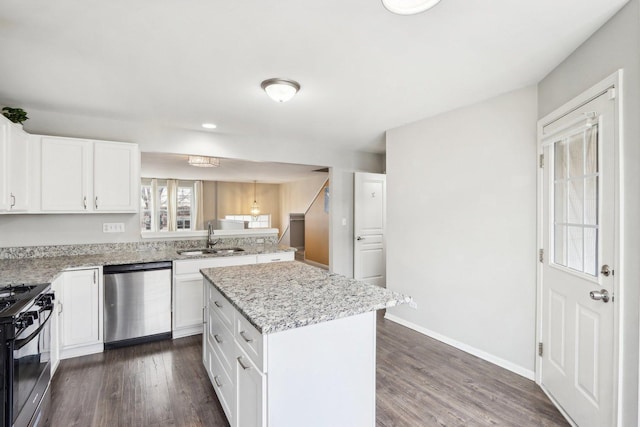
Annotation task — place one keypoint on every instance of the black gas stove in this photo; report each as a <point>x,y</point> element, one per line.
<point>14,298</point>
<point>25,370</point>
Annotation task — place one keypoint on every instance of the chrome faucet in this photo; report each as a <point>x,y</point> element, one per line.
<point>210,242</point>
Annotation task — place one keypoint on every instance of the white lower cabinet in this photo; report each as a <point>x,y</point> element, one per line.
<point>56,288</point>
<point>250,392</point>
<point>313,376</point>
<point>80,312</point>
<point>187,287</point>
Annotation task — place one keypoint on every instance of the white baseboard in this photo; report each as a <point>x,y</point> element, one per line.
<point>82,350</point>
<point>187,331</point>
<point>529,374</point>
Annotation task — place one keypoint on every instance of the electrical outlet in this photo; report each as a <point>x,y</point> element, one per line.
<point>344,221</point>
<point>113,227</point>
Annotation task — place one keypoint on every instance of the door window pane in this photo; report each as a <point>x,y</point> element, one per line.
<point>576,155</point>
<point>575,201</point>
<point>591,161</point>
<point>590,252</point>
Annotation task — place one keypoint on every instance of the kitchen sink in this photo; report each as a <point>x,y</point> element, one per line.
<point>226,250</point>
<point>205,251</point>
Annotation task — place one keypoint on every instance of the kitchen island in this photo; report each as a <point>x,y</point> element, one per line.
<point>288,344</point>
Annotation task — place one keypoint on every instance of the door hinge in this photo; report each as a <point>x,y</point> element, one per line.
<point>542,160</point>
<point>540,348</point>
<point>541,255</point>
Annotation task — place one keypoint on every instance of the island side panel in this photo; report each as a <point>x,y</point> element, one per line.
<point>323,374</point>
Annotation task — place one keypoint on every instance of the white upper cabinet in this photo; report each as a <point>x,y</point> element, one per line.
<point>18,169</point>
<point>14,167</point>
<point>4,165</point>
<point>115,177</point>
<point>65,174</point>
<point>80,175</point>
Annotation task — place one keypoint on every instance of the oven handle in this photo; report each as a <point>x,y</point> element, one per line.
<point>21,343</point>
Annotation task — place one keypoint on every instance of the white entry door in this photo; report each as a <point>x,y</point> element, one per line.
<point>369,258</point>
<point>578,308</point>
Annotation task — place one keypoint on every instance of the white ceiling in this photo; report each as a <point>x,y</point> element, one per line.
<point>163,165</point>
<point>362,69</point>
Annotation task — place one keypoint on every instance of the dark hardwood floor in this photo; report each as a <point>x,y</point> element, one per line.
<point>420,382</point>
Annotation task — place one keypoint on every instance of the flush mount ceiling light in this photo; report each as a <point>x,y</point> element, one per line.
<point>204,162</point>
<point>408,7</point>
<point>209,126</point>
<point>280,90</point>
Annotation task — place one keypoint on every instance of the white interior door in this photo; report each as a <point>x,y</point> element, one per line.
<point>578,332</point>
<point>369,258</point>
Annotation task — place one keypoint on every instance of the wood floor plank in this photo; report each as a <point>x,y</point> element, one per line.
<point>420,382</point>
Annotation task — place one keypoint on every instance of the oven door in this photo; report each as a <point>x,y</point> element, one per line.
<point>31,366</point>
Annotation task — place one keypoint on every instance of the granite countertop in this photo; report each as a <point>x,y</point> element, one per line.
<point>278,296</point>
<point>45,270</point>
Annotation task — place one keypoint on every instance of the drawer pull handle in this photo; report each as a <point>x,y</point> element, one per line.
<point>244,336</point>
<point>217,380</point>
<point>217,304</point>
<point>217,338</point>
<point>245,367</point>
<point>275,259</point>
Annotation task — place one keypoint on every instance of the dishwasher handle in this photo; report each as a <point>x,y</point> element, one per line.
<point>144,266</point>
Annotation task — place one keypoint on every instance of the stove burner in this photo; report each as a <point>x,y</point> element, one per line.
<point>16,289</point>
<point>10,294</point>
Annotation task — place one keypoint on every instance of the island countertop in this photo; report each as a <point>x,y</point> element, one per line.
<point>278,296</point>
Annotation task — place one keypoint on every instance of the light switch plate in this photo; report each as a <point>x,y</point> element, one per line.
<point>113,227</point>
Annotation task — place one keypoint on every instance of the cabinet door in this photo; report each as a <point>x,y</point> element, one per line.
<point>56,287</point>
<point>276,257</point>
<point>80,310</point>
<point>115,177</point>
<point>250,383</point>
<point>188,302</point>
<point>18,169</point>
<point>4,164</point>
<point>65,174</point>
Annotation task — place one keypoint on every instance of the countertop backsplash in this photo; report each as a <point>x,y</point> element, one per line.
<point>23,252</point>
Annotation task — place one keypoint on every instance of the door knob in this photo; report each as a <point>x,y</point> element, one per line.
<point>601,295</point>
<point>359,238</point>
<point>605,270</point>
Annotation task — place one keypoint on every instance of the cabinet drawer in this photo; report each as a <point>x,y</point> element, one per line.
<point>194,265</point>
<point>221,307</point>
<point>279,256</point>
<point>222,384</point>
<point>250,340</point>
<point>221,340</point>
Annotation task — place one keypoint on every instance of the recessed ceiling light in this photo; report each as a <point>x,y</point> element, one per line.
<point>280,90</point>
<point>409,7</point>
<point>209,126</point>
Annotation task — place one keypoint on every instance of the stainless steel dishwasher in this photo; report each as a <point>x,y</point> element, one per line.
<point>137,303</point>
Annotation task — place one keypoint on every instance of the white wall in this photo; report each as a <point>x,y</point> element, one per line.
<point>28,230</point>
<point>161,138</point>
<point>461,224</point>
<point>341,234</point>
<point>57,229</point>
<point>616,45</point>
